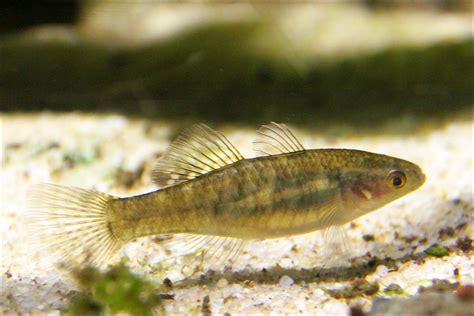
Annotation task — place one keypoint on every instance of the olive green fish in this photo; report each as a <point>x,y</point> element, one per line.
<point>219,199</point>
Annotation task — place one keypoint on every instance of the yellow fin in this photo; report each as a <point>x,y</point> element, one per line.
<point>195,152</point>
<point>70,226</point>
<point>274,139</point>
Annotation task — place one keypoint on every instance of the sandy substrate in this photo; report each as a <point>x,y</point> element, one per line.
<point>114,154</point>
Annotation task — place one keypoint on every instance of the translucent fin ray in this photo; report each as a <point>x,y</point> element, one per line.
<point>334,235</point>
<point>195,152</point>
<point>201,250</point>
<point>70,226</point>
<point>274,139</point>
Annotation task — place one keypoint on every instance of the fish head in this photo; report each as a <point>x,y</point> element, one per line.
<point>373,180</point>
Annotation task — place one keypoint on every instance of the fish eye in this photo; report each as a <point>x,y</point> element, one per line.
<point>397,178</point>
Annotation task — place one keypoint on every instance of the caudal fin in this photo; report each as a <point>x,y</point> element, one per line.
<point>70,225</point>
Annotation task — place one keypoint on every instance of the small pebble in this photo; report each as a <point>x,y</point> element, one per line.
<point>285,263</point>
<point>436,251</point>
<point>222,282</point>
<point>206,306</point>
<point>393,288</point>
<point>356,311</point>
<point>465,244</point>
<point>368,238</point>
<point>381,270</point>
<point>286,281</point>
<point>249,283</point>
<point>465,292</point>
<point>167,282</point>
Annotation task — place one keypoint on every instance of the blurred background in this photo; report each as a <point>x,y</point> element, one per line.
<point>356,63</point>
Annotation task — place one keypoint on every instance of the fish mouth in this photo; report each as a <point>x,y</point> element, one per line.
<point>420,178</point>
<point>423,178</point>
<point>416,175</point>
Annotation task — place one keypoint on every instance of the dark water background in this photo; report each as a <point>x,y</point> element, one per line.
<point>208,73</point>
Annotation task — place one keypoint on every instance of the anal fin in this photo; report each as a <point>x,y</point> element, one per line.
<point>202,251</point>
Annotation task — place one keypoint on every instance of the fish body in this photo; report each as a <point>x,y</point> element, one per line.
<point>209,189</point>
<point>265,197</point>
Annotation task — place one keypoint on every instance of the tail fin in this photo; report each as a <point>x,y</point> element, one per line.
<point>71,225</point>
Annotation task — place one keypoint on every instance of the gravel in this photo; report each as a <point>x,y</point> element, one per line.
<point>291,275</point>
<point>286,281</point>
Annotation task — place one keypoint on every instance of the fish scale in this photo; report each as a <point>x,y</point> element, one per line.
<point>208,189</point>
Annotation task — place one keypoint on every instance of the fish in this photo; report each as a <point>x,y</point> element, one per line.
<point>218,200</point>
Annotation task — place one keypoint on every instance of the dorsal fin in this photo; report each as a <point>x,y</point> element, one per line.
<point>195,152</point>
<point>274,139</point>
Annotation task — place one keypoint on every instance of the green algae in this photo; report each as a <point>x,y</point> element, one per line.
<point>114,291</point>
<point>394,289</point>
<point>437,251</point>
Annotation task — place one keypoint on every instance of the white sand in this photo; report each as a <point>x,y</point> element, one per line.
<point>34,149</point>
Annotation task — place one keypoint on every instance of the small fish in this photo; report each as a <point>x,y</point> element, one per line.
<point>218,199</point>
